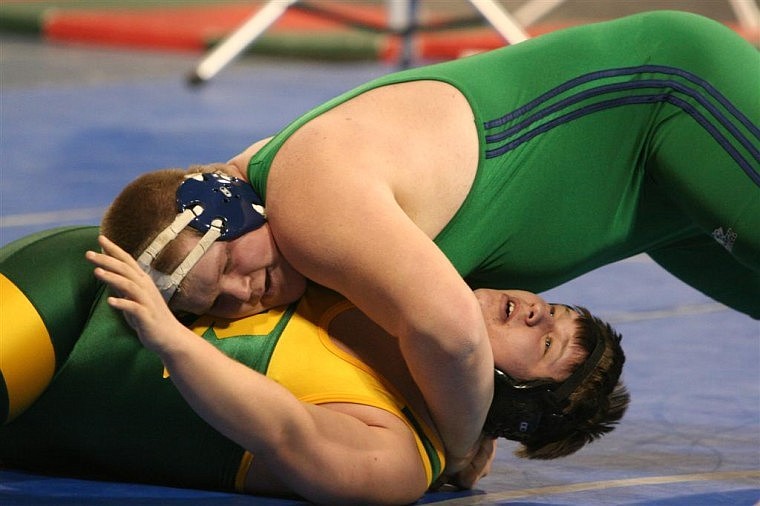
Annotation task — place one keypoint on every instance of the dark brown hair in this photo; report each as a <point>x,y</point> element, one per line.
<point>595,407</point>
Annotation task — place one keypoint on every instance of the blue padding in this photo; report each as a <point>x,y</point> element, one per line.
<point>227,198</point>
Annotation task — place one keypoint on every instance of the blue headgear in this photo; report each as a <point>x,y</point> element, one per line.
<point>229,199</point>
<point>220,206</point>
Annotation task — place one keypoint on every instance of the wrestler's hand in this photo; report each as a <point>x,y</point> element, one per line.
<point>467,472</point>
<point>136,296</point>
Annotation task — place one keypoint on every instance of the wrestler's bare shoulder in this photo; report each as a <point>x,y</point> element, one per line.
<point>418,139</point>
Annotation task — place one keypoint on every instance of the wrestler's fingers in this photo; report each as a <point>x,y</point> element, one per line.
<point>487,452</point>
<point>488,448</point>
<point>117,274</point>
<point>112,249</point>
<point>112,271</point>
<point>121,285</point>
<point>467,478</point>
<point>117,261</point>
<point>106,262</point>
<point>136,315</point>
<point>481,463</point>
<point>129,307</point>
<point>478,466</point>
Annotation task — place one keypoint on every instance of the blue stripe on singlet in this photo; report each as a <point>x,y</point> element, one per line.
<point>700,96</point>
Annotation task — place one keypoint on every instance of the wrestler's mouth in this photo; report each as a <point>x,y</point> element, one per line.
<point>510,309</point>
<point>267,284</point>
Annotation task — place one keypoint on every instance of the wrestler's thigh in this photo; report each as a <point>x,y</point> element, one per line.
<point>705,148</point>
<point>702,263</point>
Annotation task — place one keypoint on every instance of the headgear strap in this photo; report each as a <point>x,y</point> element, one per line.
<point>167,235</point>
<point>566,388</point>
<point>221,206</point>
<point>519,409</point>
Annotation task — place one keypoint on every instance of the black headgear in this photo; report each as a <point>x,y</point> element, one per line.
<point>519,409</point>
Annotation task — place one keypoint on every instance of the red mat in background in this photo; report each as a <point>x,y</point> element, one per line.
<point>195,28</point>
<point>180,28</point>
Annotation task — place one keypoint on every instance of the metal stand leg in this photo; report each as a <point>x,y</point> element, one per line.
<point>235,44</point>
<point>530,12</point>
<point>747,12</point>
<point>501,20</point>
<point>402,20</point>
<point>405,17</point>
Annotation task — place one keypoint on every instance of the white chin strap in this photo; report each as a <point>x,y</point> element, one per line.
<point>168,283</point>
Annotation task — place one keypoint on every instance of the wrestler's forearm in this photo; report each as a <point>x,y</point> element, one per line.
<point>236,400</point>
<point>240,403</point>
<point>327,456</point>
<point>345,229</point>
<point>454,373</point>
<point>441,335</point>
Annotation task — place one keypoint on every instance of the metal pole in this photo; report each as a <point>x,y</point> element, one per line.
<point>235,44</point>
<point>502,21</point>
<point>747,12</point>
<point>402,20</point>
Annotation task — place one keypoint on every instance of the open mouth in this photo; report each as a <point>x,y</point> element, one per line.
<point>267,283</point>
<point>510,309</point>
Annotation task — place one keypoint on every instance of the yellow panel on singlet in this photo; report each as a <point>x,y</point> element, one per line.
<point>27,357</point>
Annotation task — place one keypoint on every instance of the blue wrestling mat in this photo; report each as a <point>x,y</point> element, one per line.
<point>77,124</point>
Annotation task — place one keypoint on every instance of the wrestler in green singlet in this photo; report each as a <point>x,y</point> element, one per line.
<point>110,411</point>
<point>601,142</point>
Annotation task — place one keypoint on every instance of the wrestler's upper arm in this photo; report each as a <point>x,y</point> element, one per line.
<point>346,453</point>
<point>338,223</point>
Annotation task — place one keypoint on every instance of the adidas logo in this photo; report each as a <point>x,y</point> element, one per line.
<point>725,239</point>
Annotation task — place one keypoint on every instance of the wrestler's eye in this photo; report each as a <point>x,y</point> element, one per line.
<point>552,309</point>
<point>227,260</point>
<point>547,343</point>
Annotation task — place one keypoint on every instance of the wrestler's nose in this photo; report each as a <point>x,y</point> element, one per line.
<point>536,314</point>
<point>238,287</point>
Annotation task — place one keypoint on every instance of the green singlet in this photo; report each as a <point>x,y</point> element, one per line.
<point>601,142</point>
<point>80,395</point>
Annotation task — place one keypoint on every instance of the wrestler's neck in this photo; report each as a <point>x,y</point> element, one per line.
<point>240,161</point>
